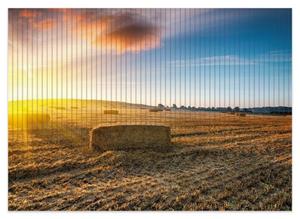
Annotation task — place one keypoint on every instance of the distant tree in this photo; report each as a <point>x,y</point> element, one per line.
<point>174,106</point>
<point>160,106</point>
<point>229,109</point>
<point>236,109</point>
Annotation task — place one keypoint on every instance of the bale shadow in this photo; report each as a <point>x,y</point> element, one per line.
<point>67,135</point>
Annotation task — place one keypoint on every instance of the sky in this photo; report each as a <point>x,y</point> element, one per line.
<point>191,57</point>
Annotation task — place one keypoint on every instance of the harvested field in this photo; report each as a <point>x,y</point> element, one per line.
<point>27,121</point>
<point>217,162</point>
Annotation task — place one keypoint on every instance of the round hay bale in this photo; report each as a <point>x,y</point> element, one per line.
<point>121,137</point>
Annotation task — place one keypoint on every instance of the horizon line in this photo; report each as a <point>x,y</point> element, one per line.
<point>165,105</point>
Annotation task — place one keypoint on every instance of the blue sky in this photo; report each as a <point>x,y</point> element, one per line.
<point>197,57</point>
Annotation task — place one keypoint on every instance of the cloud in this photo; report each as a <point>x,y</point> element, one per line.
<point>234,60</point>
<point>129,33</point>
<point>224,60</point>
<point>118,30</point>
<point>115,31</point>
<point>36,19</point>
<point>44,24</point>
<point>29,13</point>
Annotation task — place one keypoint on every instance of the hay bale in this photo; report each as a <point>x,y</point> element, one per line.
<point>28,120</point>
<point>121,137</point>
<point>155,110</point>
<point>113,112</point>
<point>60,108</point>
<point>241,114</point>
<point>167,109</point>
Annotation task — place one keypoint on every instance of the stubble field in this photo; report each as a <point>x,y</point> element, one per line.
<point>217,161</point>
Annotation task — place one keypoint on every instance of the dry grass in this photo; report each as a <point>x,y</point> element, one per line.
<point>218,162</point>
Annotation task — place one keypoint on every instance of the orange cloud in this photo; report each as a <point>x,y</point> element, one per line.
<point>120,32</point>
<point>90,29</point>
<point>130,38</point>
<point>29,13</point>
<point>37,18</point>
<point>44,24</point>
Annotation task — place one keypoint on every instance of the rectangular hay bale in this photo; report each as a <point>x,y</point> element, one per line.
<point>120,137</point>
<point>113,112</point>
<point>155,110</point>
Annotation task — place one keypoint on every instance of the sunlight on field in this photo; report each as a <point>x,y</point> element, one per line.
<point>218,161</point>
